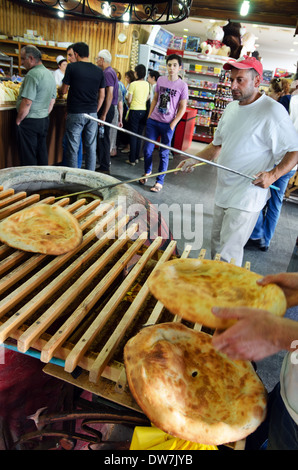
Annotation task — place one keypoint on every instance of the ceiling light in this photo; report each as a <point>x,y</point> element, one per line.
<point>244,8</point>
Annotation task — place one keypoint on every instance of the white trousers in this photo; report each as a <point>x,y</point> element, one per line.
<point>231,230</point>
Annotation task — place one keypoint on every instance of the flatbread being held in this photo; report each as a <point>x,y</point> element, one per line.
<point>191,391</point>
<point>42,228</point>
<point>191,287</point>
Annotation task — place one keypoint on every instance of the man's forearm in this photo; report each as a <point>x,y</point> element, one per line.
<point>23,111</point>
<point>287,164</point>
<point>108,102</point>
<point>101,97</point>
<point>180,114</point>
<point>51,105</point>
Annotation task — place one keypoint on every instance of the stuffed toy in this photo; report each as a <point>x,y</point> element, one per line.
<point>213,45</point>
<point>248,44</point>
<point>232,38</point>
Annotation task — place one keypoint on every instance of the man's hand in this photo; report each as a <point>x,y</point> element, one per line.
<point>288,282</point>
<point>253,336</point>
<point>264,179</point>
<point>187,165</point>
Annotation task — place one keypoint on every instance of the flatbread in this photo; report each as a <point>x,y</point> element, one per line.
<point>191,287</point>
<point>42,228</point>
<point>188,389</point>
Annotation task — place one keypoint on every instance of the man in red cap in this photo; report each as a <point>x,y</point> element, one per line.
<point>255,136</point>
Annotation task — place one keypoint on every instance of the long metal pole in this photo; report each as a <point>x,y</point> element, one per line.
<point>126,131</point>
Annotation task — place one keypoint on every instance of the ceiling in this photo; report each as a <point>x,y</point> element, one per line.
<point>268,37</point>
<point>272,12</point>
<point>272,22</point>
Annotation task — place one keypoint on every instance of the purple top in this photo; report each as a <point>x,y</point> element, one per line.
<point>170,94</point>
<point>112,80</point>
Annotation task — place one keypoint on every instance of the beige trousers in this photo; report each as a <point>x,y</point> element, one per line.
<point>231,230</point>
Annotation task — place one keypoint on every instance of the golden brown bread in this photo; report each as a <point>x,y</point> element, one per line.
<point>191,287</point>
<point>42,228</point>
<point>188,389</point>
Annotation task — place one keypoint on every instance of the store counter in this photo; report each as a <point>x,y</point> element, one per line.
<point>8,147</point>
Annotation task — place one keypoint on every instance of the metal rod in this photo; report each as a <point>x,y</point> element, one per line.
<point>99,188</point>
<point>126,131</point>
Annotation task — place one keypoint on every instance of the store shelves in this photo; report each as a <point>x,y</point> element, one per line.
<point>7,63</point>
<point>209,92</point>
<point>153,58</point>
<point>12,49</point>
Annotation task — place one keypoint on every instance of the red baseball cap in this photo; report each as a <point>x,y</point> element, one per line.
<point>245,62</point>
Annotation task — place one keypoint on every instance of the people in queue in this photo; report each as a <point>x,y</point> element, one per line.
<point>118,116</point>
<point>137,97</point>
<point>166,109</point>
<point>124,139</point>
<point>106,111</point>
<point>70,55</point>
<point>268,218</point>
<point>59,73</point>
<point>255,136</point>
<point>152,78</point>
<point>35,101</point>
<point>85,84</point>
<point>258,334</point>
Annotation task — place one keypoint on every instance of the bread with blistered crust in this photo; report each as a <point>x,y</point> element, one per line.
<point>42,228</point>
<point>191,287</point>
<point>188,389</point>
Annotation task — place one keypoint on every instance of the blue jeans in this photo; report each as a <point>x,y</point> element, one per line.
<point>155,129</point>
<point>75,125</point>
<point>269,216</point>
<point>80,154</point>
<point>137,124</point>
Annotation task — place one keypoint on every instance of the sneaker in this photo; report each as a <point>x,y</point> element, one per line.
<point>257,242</point>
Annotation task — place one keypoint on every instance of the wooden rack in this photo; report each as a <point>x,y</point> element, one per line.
<point>79,309</point>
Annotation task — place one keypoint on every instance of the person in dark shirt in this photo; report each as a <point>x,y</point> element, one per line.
<point>85,84</point>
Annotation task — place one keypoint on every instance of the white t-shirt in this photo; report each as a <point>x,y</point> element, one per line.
<point>289,384</point>
<point>253,138</point>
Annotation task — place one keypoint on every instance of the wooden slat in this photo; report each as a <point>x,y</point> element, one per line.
<point>78,351</point>
<point>45,294</point>
<point>70,295</point>
<point>85,307</point>
<point>27,287</point>
<point>7,192</point>
<point>156,312</point>
<point>108,349</point>
<point>19,205</point>
<point>35,260</point>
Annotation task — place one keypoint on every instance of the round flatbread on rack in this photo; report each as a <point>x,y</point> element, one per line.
<point>191,391</point>
<point>42,228</point>
<point>191,287</point>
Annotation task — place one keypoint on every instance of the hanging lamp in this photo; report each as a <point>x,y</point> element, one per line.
<point>131,11</point>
